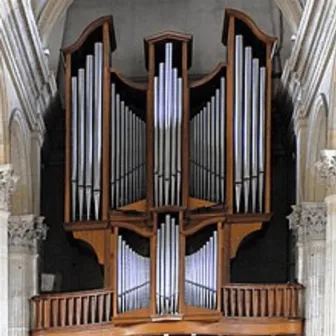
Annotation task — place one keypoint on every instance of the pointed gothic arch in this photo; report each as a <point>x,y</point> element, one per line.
<point>20,159</point>
<point>315,190</point>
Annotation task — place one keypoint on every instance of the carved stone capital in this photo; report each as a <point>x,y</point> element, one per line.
<point>7,184</point>
<point>326,166</point>
<point>308,221</point>
<point>24,232</point>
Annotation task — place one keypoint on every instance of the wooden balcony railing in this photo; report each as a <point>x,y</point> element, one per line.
<point>269,301</point>
<point>72,309</point>
<point>94,307</point>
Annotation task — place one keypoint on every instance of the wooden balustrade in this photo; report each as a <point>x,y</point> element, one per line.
<point>269,301</point>
<point>72,309</point>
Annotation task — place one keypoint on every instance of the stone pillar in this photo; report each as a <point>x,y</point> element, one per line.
<point>327,171</point>
<point>24,234</point>
<point>308,222</point>
<point>7,184</point>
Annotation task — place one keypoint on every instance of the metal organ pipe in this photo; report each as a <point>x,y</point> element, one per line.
<point>89,133</point>
<point>81,140</point>
<point>167,132</point>
<point>133,278</point>
<point>201,275</point>
<point>167,267</point>
<point>238,148</point>
<point>128,152</point>
<point>247,125</point>
<point>255,124</point>
<point>262,134</point>
<point>98,110</point>
<point>207,146</point>
<point>74,147</point>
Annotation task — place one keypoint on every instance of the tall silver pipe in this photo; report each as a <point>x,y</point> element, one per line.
<point>217,153</point>
<point>208,151</point>
<point>156,140</point>
<point>212,149</point>
<point>215,261</point>
<point>81,140</point>
<point>168,115</point>
<point>172,265</point>
<point>124,265</point>
<point>163,257</point>
<point>158,272</point>
<point>247,125</point>
<point>118,150</point>
<point>238,119</point>
<point>205,157</point>
<point>179,137</point>
<point>174,137</point>
<point>98,98</point>
<point>74,140</point>
<point>119,273</point>
<point>262,135</point>
<point>126,156</point>
<point>161,118</point>
<point>122,152</point>
<point>167,263</point>
<point>88,132</point>
<point>177,258</point>
<point>113,142</point>
<point>131,158</point>
<point>223,136</point>
<point>255,126</point>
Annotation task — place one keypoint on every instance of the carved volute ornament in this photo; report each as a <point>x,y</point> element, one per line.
<point>308,221</point>
<point>326,166</point>
<point>7,184</point>
<point>24,232</point>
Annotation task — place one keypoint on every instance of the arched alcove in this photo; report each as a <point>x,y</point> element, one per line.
<point>20,159</point>
<point>317,140</point>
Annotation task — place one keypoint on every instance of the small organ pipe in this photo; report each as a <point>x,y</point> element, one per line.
<point>118,149</point>
<point>223,134</point>
<point>238,149</point>
<point>97,154</point>
<point>168,115</point>
<point>213,149</point>
<point>113,142</point>
<point>255,121</point>
<point>179,142</point>
<point>262,134</point>
<point>122,151</point>
<point>74,122</point>
<point>247,125</point>
<point>218,158</point>
<point>156,140</point>
<point>161,133</point>
<point>173,136</point>
<point>88,132</point>
<point>81,140</point>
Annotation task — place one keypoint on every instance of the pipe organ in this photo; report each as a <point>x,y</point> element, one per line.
<point>165,179</point>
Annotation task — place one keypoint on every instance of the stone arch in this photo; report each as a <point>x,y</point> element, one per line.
<point>49,16</point>
<point>315,189</point>
<point>4,114</point>
<point>332,112</point>
<point>20,159</point>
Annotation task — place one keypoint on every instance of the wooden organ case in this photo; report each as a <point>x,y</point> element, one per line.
<point>165,179</point>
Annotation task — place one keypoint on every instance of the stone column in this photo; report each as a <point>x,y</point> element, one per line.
<point>24,234</point>
<point>7,184</point>
<point>308,222</point>
<point>327,171</point>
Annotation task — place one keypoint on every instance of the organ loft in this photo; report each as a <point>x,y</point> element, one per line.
<point>164,179</point>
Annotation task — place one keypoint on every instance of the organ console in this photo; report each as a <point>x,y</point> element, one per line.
<point>165,179</point>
